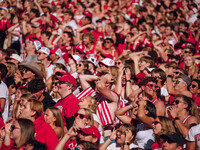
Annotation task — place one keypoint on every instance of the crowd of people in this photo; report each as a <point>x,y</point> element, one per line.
<point>99,74</point>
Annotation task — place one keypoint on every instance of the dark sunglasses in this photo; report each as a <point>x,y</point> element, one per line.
<point>176,72</point>
<point>79,65</point>
<point>77,148</point>
<point>187,52</point>
<point>193,85</point>
<point>55,83</point>
<point>13,127</point>
<point>108,42</point>
<point>25,69</point>
<point>176,102</point>
<point>81,116</point>
<point>156,122</point>
<point>151,86</point>
<point>39,53</point>
<point>117,63</point>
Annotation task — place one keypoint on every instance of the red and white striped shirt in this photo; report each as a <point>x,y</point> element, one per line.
<point>103,110</point>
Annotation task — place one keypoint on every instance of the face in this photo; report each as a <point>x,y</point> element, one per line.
<point>168,31</point>
<point>180,104</point>
<point>187,52</point>
<point>80,67</point>
<point>179,84</point>
<point>121,135</point>
<point>53,57</point>
<point>119,64</point>
<point>38,94</point>
<point>65,38</point>
<point>85,102</point>
<point>41,56</point>
<point>108,44</point>
<point>86,40</point>
<point>80,121</point>
<point>150,88</point>
<point>142,65</point>
<point>157,76</point>
<point>188,61</point>
<point>15,131</point>
<point>29,45</point>
<point>103,68</point>
<point>168,145</point>
<point>156,126</point>
<point>27,74</point>
<point>18,94</point>
<point>23,101</point>
<point>62,87</point>
<point>26,112</point>
<point>28,28</point>
<point>194,88</point>
<point>49,117</point>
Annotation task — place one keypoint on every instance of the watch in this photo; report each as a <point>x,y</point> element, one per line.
<point>127,143</point>
<point>176,118</point>
<point>128,81</point>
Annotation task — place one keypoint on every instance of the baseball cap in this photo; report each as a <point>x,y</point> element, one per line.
<point>185,79</point>
<point>37,44</point>
<point>4,8</point>
<point>44,50</point>
<point>15,56</point>
<point>93,60</point>
<point>76,58</point>
<point>56,51</point>
<point>174,137</point>
<point>87,13</point>
<point>92,130</point>
<point>81,48</point>
<point>66,77</point>
<point>108,62</point>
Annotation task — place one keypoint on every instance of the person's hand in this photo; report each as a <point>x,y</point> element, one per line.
<point>54,32</point>
<point>7,127</point>
<point>142,103</point>
<point>129,135</point>
<point>128,73</point>
<point>113,135</point>
<point>173,111</point>
<point>2,133</point>
<point>91,26</point>
<point>121,72</point>
<point>72,132</point>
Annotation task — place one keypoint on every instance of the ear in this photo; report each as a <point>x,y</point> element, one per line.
<point>54,119</point>
<point>33,113</point>
<point>142,87</point>
<point>94,140</point>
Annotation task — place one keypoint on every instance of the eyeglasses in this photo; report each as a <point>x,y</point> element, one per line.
<point>193,85</point>
<point>156,122</point>
<point>177,102</point>
<point>77,148</point>
<point>25,69</point>
<point>54,83</point>
<point>187,52</point>
<point>39,53</point>
<point>178,81</point>
<point>151,86</point>
<point>13,127</point>
<point>108,42</point>
<point>81,116</point>
<point>61,82</point>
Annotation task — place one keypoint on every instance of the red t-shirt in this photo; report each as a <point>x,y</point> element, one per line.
<point>71,144</point>
<point>68,106</point>
<point>45,134</point>
<point>156,146</point>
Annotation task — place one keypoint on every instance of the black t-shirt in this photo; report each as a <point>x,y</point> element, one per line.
<point>47,101</point>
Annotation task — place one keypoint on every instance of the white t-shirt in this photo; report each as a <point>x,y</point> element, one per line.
<point>164,92</point>
<point>96,118</point>
<point>72,24</point>
<point>4,94</point>
<point>113,146</point>
<point>49,70</point>
<point>194,135</point>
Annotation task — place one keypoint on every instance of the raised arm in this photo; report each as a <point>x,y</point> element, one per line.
<point>85,79</point>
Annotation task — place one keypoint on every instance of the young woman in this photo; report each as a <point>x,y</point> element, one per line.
<point>161,125</point>
<point>190,66</point>
<point>82,67</point>
<point>53,117</point>
<point>82,118</point>
<point>21,131</point>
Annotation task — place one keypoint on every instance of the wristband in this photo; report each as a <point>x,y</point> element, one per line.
<point>128,81</point>
<point>127,143</point>
<point>169,76</point>
<point>176,118</point>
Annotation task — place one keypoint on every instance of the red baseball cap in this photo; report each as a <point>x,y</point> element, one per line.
<point>87,13</point>
<point>92,130</point>
<point>81,48</point>
<point>66,77</point>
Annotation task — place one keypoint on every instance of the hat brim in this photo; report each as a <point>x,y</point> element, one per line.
<point>33,69</point>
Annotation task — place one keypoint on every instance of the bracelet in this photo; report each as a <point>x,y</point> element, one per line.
<point>128,81</point>
<point>176,118</point>
<point>127,143</point>
<point>1,139</point>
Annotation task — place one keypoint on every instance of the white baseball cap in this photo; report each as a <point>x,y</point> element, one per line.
<point>44,50</point>
<point>108,62</point>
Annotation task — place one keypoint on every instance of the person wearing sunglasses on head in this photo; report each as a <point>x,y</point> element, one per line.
<point>161,125</point>
<point>82,118</point>
<point>180,86</point>
<point>148,87</point>
<point>21,131</point>
<point>184,113</point>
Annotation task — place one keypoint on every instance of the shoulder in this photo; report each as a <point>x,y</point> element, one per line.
<point>192,120</point>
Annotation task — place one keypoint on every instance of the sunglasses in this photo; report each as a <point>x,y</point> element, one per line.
<point>39,53</point>
<point>13,127</point>
<point>108,42</point>
<point>176,72</point>
<point>176,102</point>
<point>117,63</point>
<point>151,86</point>
<point>55,83</point>
<point>81,116</point>
<point>79,65</point>
<point>193,85</point>
<point>156,122</point>
<point>187,52</point>
<point>25,69</point>
<point>77,148</point>
<point>178,81</point>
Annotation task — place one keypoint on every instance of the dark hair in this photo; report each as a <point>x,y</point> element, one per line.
<point>161,73</point>
<point>132,128</point>
<point>171,26</point>
<point>47,33</point>
<point>70,13</point>
<point>36,12</point>
<point>35,85</point>
<point>191,48</point>
<point>174,14</point>
<point>147,80</point>
<point>37,145</point>
<point>153,55</point>
<point>88,145</point>
<point>198,82</point>
<point>150,107</point>
<point>185,24</point>
<point>70,35</point>
<point>3,71</point>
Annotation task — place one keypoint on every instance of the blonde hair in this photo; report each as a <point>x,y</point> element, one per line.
<point>58,115</point>
<point>92,107</point>
<point>167,125</point>
<point>89,114</point>
<point>193,69</point>
<point>114,72</point>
